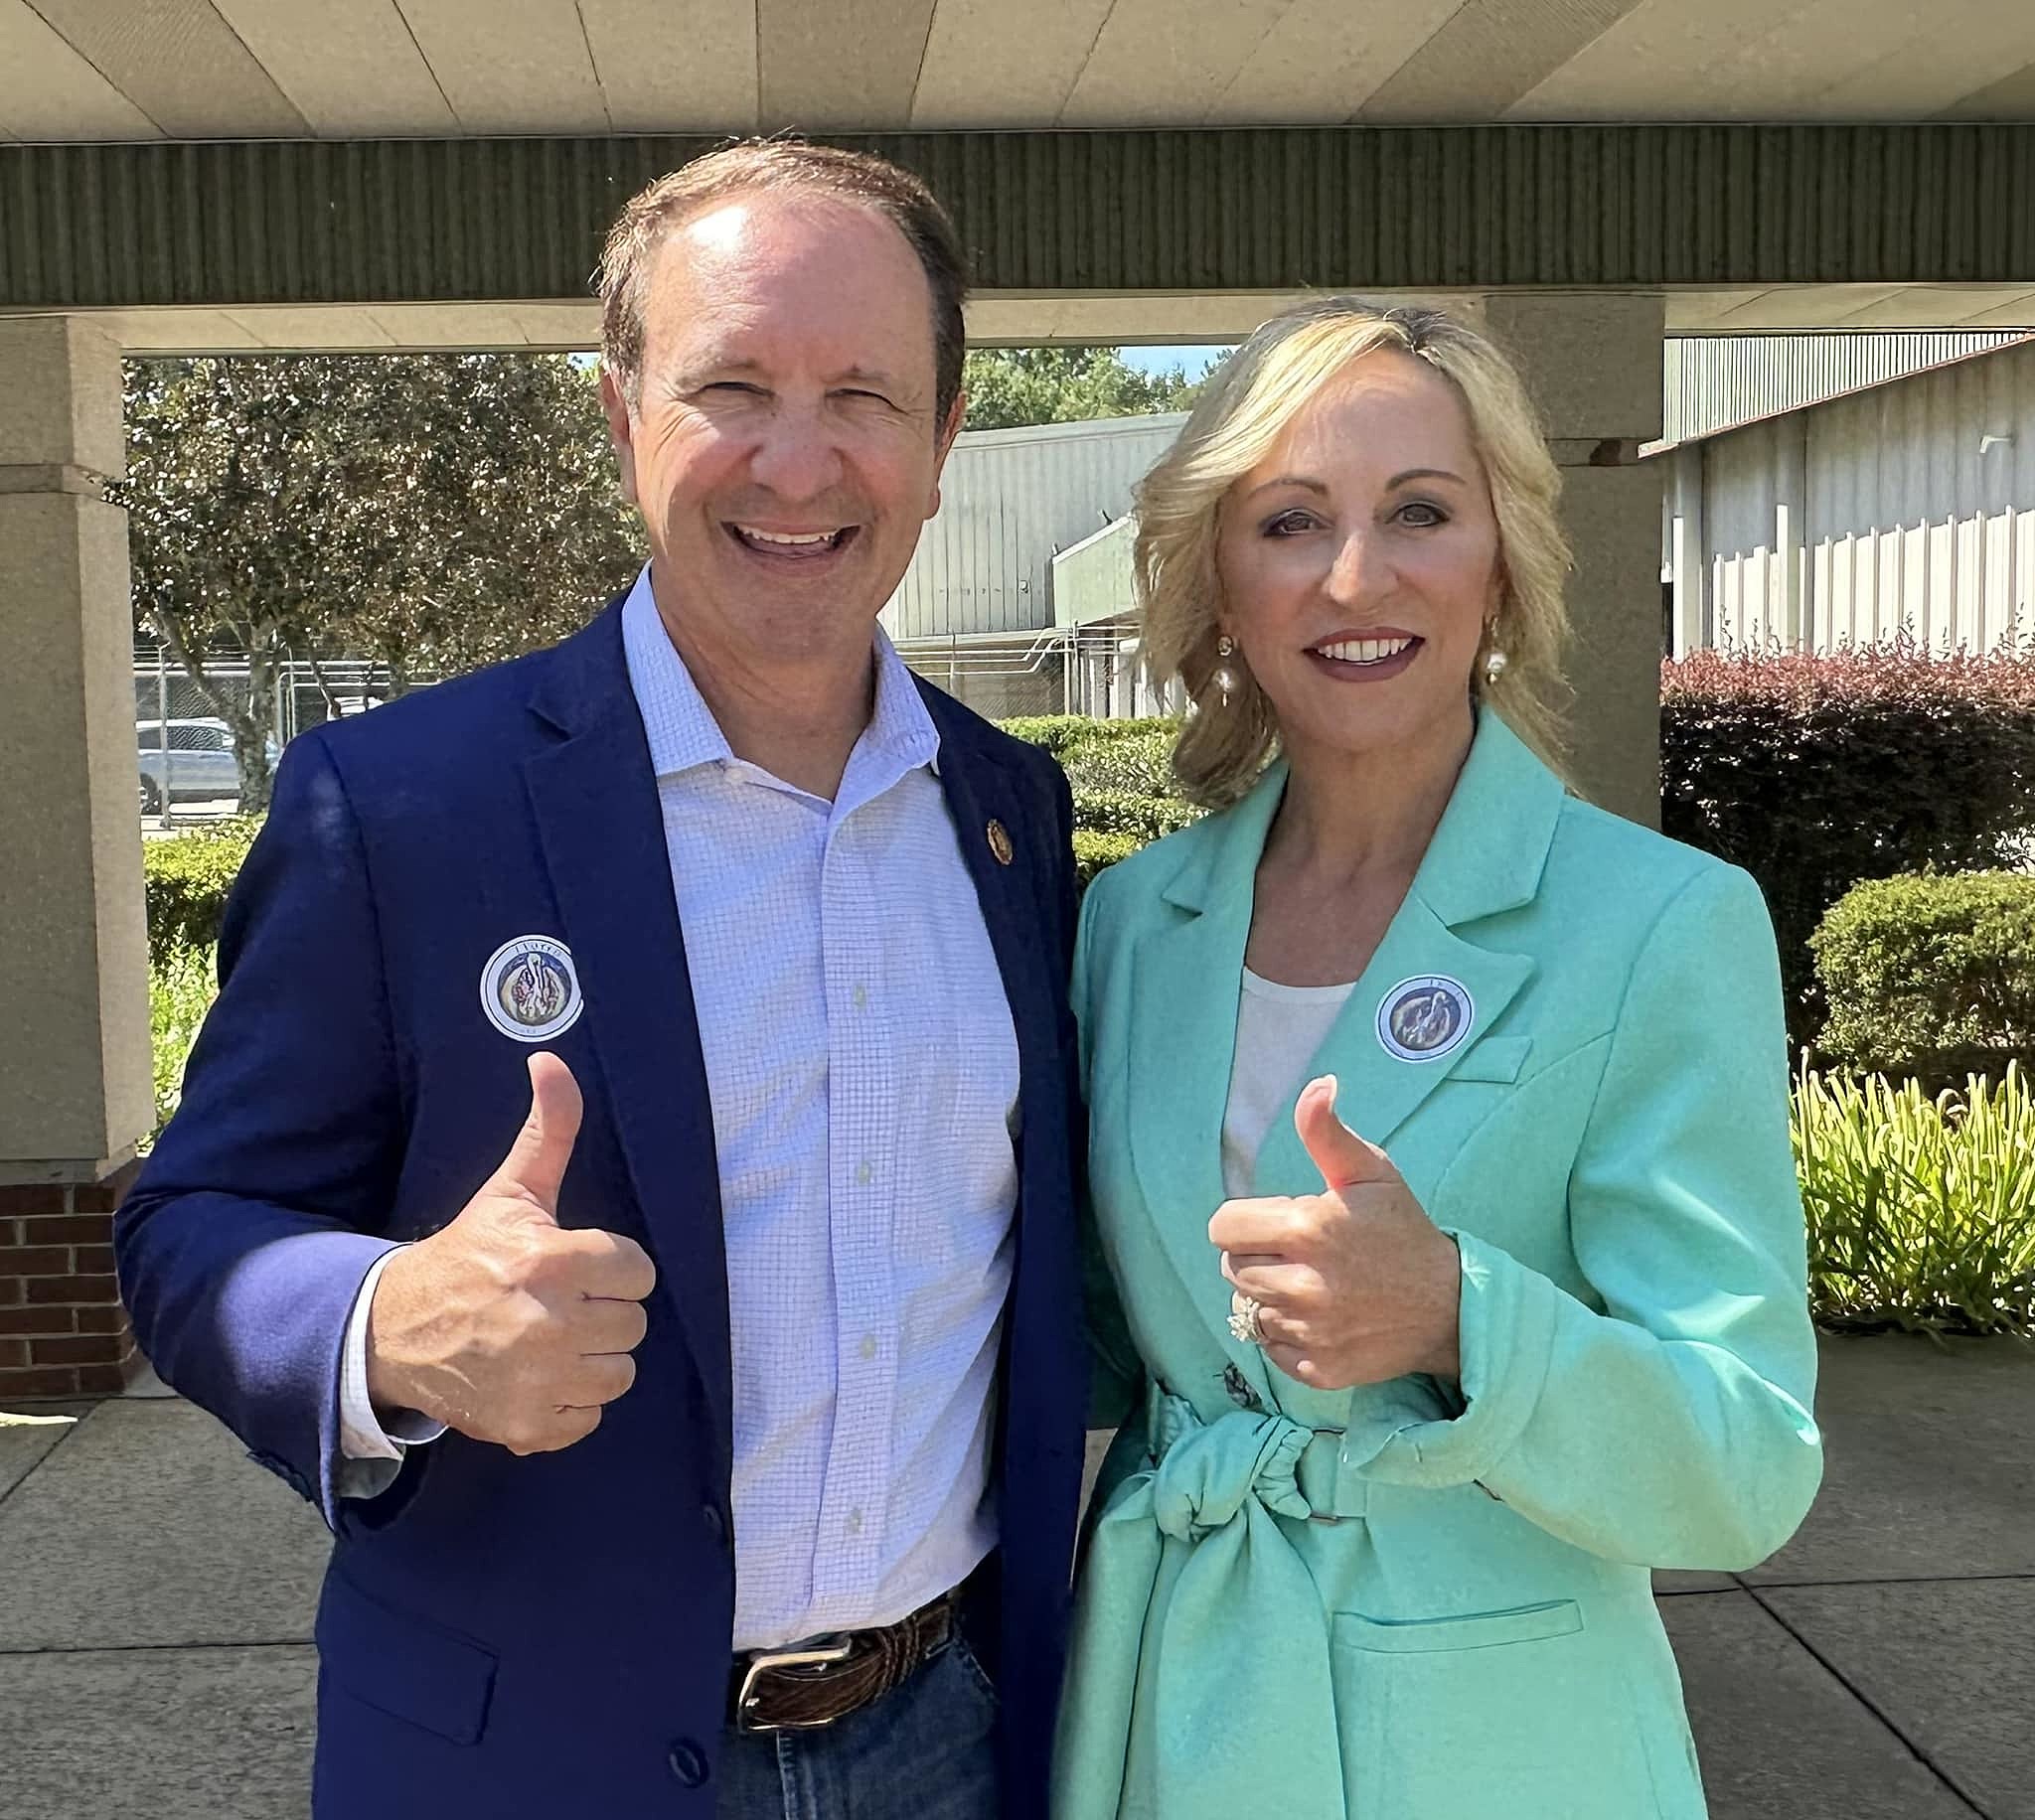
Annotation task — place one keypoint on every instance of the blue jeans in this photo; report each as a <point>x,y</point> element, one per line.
<point>924,1752</point>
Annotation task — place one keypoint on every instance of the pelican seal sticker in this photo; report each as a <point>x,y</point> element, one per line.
<point>530,990</point>
<point>1424,1018</point>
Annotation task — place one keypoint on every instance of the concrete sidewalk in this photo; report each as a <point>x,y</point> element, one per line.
<point>156,1593</point>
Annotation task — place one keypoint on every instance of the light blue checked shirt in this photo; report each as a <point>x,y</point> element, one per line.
<point>863,1067</point>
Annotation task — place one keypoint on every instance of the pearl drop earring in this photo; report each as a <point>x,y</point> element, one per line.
<point>1225,673</point>
<point>1494,666</point>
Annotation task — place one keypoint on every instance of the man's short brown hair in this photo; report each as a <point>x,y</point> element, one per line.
<point>753,165</point>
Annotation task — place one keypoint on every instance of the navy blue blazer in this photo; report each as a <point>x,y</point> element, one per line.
<point>551,1635</point>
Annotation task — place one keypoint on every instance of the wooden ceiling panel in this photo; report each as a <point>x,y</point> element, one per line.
<point>846,65</point>
<point>49,90</point>
<point>1488,54</point>
<point>180,64</point>
<point>1322,61</point>
<point>1037,53</point>
<point>509,65</point>
<point>349,66</point>
<point>689,67</point>
<point>1664,60</point>
<point>1167,62</point>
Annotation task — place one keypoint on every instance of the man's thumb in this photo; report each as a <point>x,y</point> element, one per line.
<point>1338,1153</point>
<point>537,1161</point>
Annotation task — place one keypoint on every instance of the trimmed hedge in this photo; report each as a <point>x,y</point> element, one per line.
<point>1067,735</point>
<point>1116,812</point>
<point>1816,772</point>
<point>1095,853</point>
<point>186,877</point>
<point>1930,975</point>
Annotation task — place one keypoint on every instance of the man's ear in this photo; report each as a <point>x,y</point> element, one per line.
<point>620,431</point>
<point>956,414</point>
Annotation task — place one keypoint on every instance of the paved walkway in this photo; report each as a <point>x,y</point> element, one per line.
<point>156,1593</point>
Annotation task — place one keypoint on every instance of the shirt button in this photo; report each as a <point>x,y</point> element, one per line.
<point>689,1762</point>
<point>863,1174</point>
<point>717,1524</point>
<point>869,1346</point>
<point>861,997</point>
<point>854,1523</point>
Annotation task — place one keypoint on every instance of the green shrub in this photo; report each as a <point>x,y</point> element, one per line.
<point>1816,772</point>
<point>181,986</point>
<point>1921,1211</point>
<point>1139,764</point>
<point>1053,732</point>
<point>186,877</point>
<point>1095,853</point>
<point>1930,975</point>
<point>1116,812</point>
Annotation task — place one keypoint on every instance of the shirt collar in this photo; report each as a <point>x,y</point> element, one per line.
<point>681,726</point>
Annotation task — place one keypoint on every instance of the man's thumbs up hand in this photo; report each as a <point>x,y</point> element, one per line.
<point>504,1325</point>
<point>1354,1285</point>
<point>534,1167</point>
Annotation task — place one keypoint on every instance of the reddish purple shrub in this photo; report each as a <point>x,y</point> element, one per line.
<point>1816,772</point>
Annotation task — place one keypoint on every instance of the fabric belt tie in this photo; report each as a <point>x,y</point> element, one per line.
<point>1199,1671</point>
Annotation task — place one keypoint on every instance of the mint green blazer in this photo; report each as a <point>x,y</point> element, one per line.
<point>1423,1601</point>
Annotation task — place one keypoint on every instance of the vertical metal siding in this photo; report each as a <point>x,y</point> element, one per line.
<point>1624,206</point>
<point>1906,509</point>
<point>1008,501</point>
<point>1716,381</point>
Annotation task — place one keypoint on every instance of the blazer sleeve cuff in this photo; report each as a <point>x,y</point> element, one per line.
<point>1507,1333</point>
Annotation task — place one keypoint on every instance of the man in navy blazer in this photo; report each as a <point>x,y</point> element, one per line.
<point>627,1181</point>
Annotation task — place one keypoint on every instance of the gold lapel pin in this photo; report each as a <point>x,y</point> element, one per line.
<point>1000,842</point>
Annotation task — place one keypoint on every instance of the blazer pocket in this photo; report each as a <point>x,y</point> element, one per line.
<point>1496,1058</point>
<point>1558,1618</point>
<point>1520,1712</point>
<point>404,1666</point>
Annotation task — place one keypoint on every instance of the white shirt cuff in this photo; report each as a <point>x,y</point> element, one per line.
<point>363,1435</point>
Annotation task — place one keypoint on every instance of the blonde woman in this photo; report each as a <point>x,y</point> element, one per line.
<point>1439,1152</point>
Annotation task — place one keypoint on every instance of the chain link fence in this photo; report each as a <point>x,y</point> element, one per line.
<point>186,757</point>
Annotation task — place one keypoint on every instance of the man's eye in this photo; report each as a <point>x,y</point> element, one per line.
<point>865,398</point>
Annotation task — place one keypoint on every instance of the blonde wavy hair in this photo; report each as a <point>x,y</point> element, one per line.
<point>1284,365</point>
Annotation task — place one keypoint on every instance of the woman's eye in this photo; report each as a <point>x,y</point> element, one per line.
<point>1420,515</point>
<point>1289,523</point>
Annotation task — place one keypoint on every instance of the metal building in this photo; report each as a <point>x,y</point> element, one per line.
<point>1904,506</point>
<point>1715,382</point>
<point>975,610</point>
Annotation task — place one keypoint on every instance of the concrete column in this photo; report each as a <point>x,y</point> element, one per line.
<point>1593,363</point>
<point>75,1079</point>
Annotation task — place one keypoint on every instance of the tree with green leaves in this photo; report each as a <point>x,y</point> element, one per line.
<point>1011,386</point>
<point>432,512</point>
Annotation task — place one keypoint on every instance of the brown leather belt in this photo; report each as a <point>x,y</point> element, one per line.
<point>814,1684</point>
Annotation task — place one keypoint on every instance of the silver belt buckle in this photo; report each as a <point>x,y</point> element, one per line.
<point>817,1655</point>
<point>1316,1515</point>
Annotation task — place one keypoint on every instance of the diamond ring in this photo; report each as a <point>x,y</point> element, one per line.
<point>1243,1318</point>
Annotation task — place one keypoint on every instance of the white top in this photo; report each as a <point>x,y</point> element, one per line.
<point>864,1073</point>
<point>1279,1029</point>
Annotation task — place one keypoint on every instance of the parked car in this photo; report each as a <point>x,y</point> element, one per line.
<point>199,766</point>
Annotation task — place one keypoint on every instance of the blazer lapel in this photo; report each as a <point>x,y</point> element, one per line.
<point>978,792</point>
<point>1187,976</point>
<point>602,834</point>
<point>1486,858</point>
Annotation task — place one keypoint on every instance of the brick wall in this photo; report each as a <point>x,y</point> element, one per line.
<point>63,1331</point>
